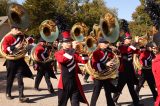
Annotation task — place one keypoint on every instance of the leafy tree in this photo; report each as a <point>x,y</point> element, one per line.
<point>3,6</point>
<point>67,11</point>
<point>141,23</point>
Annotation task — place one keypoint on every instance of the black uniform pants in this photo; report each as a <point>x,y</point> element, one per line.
<point>55,65</point>
<point>40,74</point>
<point>10,80</point>
<point>108,87</point>
<point>70,90</point>
<point>122,81</point>
<point>147,75</point>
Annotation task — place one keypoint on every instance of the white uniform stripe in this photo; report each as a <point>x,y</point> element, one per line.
<point>43,56</point>
<point>85,58</point>
<point>149,57</point>
<point>17,40</point>
<point>105,60</point>
<point>132,47</point>
<point>104,56</point>
<point>67,56</point>
<point>129,58</point>
<point>70,69</point>
<point>70,63</point>
<point>99,67</point>
<point>145,62</point>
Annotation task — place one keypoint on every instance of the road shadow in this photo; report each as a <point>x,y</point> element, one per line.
<point>3,76</point>
<point>34,98</point>
<point>88,87</point>
<point>3,79</point>
<point>146,102</point>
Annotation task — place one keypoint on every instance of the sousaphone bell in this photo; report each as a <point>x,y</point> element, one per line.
<point>18,16</point>
<point>49,32</point>
<point>110,27</point>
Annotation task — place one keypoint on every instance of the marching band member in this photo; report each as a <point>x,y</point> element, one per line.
<point>146,56</point>
<point>155,66</point>
<point>42,52</point>
<point>55,46</point>
<point>100,62</point>
<point>69,85</point>
<point>15,68</point>
<point>126,69</point>
<point>30,46</point>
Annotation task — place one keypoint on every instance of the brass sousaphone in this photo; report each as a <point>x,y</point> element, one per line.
<point>49,32</point>
<point>79,31</point>
<point>18,17</point>
<point>110,30</point>
<point>143,40</point>
<point>110,27</point>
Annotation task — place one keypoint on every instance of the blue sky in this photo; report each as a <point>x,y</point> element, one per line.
<point>125,7</point>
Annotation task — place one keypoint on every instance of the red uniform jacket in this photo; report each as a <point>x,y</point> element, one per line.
<point>10,41</point>
<point>70,63</point>
<point>156,73</point>
<point>41,52</point>
<point>100,58</point>
<point>146,58</point>
<point>8,44</point>
<point>126,55</point>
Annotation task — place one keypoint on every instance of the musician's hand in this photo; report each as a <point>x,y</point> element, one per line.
<point>74,44</point>
<point>109,64</point>
<point>114,49</point>
<point>118,44</point>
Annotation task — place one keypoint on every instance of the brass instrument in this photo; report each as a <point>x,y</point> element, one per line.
<point>18,17</point>
<point>49,59</point>
<point>90,44</point>
<point>49,32</point>
<point>79,31</point>
<point>142,41</point>
<point>111,73</point>
<point>110,27</point>
<point>96,31</point>
<point>87,46</point>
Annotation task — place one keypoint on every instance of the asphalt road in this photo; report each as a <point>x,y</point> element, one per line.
<point>43,98</point>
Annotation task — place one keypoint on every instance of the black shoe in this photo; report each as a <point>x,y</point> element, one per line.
<point>9,97</point>
<point>52,92</point>
<point>116,96</point>
<point>37,89</point>
<point>23,99</point>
